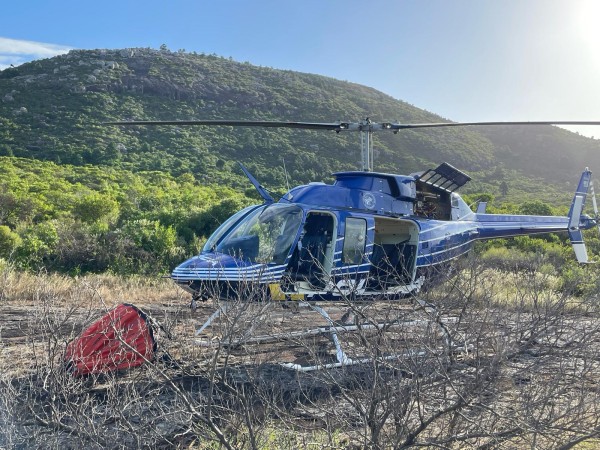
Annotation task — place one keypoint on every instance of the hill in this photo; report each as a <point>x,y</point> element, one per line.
<point>53,109</point>
<point>79,196</point>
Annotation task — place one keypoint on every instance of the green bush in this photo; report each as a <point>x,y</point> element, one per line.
<point>506,259</point>
<point>97,208</point>
<point>9,241</point>
<point>159,242</point>
<point>579,280</point>
<point>205,222</point>
<point>536,208</point>
<point>38,244</point>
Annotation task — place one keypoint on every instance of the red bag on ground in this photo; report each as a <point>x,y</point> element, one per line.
<point>123,338</point>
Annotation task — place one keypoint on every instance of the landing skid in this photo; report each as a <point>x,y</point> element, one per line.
<point>333,329</point>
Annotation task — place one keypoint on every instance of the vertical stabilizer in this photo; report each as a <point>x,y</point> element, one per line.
<point>575,233</point>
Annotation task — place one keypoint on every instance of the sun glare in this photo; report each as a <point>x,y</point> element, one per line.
<point>587,17</point>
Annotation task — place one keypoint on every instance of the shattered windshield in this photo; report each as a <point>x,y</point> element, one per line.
<point>265,235</point>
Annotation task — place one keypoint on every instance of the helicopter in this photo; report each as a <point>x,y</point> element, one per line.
<point>367,236</point>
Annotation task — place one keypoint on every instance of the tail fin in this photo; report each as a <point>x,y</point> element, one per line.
<point>574,227</point>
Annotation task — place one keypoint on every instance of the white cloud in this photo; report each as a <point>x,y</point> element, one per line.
<point>15,52</point>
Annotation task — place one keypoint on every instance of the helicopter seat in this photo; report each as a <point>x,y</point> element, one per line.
<point>312,255</point>
<point>308,258</point>
<point>408,258</point>
<point>384,260</point>
<point>281,249</point>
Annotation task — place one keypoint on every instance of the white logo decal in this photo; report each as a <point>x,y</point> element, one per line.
<point>369,200</point>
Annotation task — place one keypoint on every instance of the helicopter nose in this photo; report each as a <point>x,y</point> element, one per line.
<point>192,263</point>
<point>195,265</point>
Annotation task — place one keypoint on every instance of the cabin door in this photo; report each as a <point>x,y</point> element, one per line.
<point>312,259</point>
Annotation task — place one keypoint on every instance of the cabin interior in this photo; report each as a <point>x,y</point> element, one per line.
<point>392,261</point>
<point>313,257</point>
<point>394,253</point>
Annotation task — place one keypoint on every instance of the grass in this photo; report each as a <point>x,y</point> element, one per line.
<point>18,287</point>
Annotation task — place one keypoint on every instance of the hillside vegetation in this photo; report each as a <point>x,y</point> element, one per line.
<point>53,110</point>
<point>91,219</point>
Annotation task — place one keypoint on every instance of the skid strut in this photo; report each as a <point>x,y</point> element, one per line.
<point>342,358</point>
<point>221,310</point>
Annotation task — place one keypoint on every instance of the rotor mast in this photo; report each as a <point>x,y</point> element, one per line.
<point>366,144</point>
<point>367,128</point>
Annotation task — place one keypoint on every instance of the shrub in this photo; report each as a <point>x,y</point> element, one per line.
<point>9,241</point>
<point>95,208</point>
<point>536,208</point>
<point>38,245</point>
<point>508,259</point>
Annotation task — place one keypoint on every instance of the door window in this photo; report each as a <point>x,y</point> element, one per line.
<point>354,240</point>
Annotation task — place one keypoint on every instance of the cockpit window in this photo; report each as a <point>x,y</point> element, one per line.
<point>265,235</point>
<point>226,226</point>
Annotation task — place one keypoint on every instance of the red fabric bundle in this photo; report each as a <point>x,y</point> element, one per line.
<point>121,339</point>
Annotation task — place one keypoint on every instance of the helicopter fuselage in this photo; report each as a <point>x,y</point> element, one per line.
<point>366,235</point>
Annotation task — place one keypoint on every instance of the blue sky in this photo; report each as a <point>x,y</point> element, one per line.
<point>463,59</point>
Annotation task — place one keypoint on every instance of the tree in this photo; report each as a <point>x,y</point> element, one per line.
<point>95,207</point>
<point>536,208</point>
<point>5,150</point>
<point>38,243</point>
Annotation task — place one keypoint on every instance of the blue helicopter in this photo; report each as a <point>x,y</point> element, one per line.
<point>367,235</point>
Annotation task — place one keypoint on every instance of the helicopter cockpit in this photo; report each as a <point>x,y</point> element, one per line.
<point>265,235</point>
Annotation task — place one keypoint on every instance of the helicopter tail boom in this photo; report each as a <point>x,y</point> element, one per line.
<point>491,226</point>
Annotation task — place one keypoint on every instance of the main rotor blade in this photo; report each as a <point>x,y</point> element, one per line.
<point>402,126</point>
<point>365,125</point>
<point>239,123</point>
